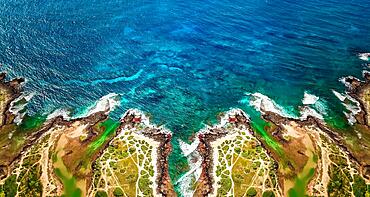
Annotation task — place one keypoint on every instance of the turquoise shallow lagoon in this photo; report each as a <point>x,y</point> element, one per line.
<point>183,61</point>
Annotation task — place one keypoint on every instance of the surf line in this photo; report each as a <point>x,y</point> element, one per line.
<point>110,81</point>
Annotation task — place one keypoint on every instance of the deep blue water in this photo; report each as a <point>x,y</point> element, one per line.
<point>182,61</point>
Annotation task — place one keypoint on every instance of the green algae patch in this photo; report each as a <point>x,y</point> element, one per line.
<point>30,123</point>
<point>70,188</point>
<point>259,126</point>
<point>299,188</point>
<point>109,126</point>
<point>337,122</point>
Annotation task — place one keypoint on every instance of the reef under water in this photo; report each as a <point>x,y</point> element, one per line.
<point>76,70</point>
<point>273,153</point>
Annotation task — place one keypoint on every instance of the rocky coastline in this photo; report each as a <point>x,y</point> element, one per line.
<point>290,151</point>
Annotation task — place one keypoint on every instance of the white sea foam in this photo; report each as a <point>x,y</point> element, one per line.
<point>195,162</point>
<point>365,72</point>
<point>308,111</point>
<point>353,106</point>
<point>321,107</point>
<point>348,85</point>
<point>364,56</point>
<point>60,112</point>
<point>350,117</point>
<point>193,156</point>
<point>309,99</point>
<point>186,148</point>
<point>340,96</point>
<point>105,104</point>
<point>17,108</point>
<point>313,106</point>
<point>110,81</point>
<point>263,103</point>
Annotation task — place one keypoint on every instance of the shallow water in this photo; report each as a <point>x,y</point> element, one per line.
<point>182,61</point>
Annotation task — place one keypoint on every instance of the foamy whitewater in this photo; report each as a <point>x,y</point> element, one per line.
<point>312,106</point>
<point>309,99</point>
<point>17,106</point>
<point>186,181</point>
<point>351,104</point>
<point>105,104</point>
<point>364,56</point>
<point>183,63</point>
<point>64,113</point>
<point>263,103</point>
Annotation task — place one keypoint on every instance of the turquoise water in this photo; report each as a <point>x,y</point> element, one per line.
<point>182,61</point>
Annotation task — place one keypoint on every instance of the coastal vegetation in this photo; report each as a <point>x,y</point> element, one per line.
<point>126,167</point>
<point>266,155</point>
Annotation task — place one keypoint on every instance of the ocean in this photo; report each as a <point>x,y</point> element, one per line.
<point>183,62</point>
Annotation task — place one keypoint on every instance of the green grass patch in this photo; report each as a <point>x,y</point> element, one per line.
<point>101,193</point>
<point>10,186</point>
<point>359,186</point>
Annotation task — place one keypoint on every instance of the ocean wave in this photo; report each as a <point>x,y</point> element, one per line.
<point>365,72</point>
<point>64,113</point>
<point>347,84</point>
<point>18,105</point>
<point>364,56</point>
<point>321,107</point>
<point>105,104</point>
<point>194,159</point>
<point>312,106</point>
<point>263,103</point>
<point>186,148</point>
<point>309,99</point>
<point>308,111</point>
<point>352,106</point>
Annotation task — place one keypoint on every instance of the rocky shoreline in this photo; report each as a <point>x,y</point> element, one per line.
<point>278,131</point>
<point>287,151</point>
<point>78,142</point>
<point>206,181</point>
<point>133,117</point>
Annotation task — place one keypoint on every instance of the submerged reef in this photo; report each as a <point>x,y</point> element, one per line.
<point>93,155</point>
